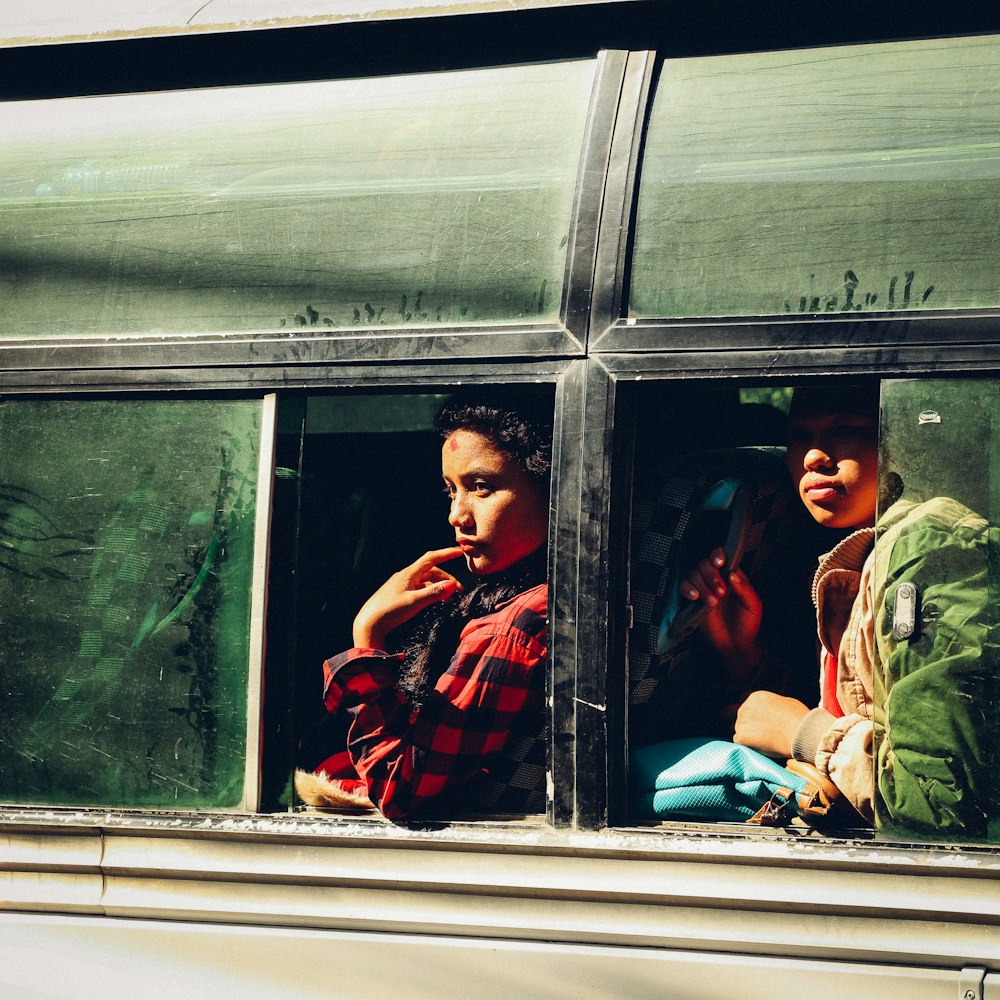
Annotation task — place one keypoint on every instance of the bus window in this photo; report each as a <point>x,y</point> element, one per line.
<point>809,182</point>
<point>302,208</point>
<point>700,484</point>
<point>126,559</point>
<point>366,493</point>
<point>935,600</point>
<point>887,556</point>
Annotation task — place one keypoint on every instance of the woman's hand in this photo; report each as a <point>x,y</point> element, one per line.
<point>403,596</point>
<point>767,722</point>
<point>733,622</point>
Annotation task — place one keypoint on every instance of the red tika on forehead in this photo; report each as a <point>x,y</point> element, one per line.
<point>452,443</point>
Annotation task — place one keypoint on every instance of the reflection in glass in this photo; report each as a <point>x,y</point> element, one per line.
<point>442,198</point>
<point>937,676</point>
<point>126,543</point>
<point>853,179</point>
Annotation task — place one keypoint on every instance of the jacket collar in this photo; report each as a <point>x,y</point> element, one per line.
<point>850,553</point>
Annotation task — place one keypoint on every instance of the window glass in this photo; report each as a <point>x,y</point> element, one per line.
<point>937,677</point>
<point>441,198</point>
<point>126,544</point>
<point>822,181</point>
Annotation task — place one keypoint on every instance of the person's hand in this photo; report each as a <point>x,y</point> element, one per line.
<point>404,595</point>
<point>767,722</point>
<point>733,622</point>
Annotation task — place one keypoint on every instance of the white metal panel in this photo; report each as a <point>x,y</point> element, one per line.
<point>842,904</point>
<point>30,22</point>
<point>58,873</point>
<point>70,18</point>
<point>42,957</point>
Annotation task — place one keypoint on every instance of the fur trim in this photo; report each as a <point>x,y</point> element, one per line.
<point>318,789</point>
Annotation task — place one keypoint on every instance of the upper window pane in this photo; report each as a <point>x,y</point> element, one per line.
<point>126,557</point>
<point>441,198</point>
<point>827,180</point>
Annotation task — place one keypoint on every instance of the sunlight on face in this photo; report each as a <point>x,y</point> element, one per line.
<point>833,458</point>
<point>497,510</point>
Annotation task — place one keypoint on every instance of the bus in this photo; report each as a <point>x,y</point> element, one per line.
<point>248,250</point>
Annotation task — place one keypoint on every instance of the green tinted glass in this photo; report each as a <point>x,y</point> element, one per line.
<point>126,544</point>
<point>936,593</point>
<point>830,180</point>
<point>442,198</point>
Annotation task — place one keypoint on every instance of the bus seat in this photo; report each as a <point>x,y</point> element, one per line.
<point>734,498</point>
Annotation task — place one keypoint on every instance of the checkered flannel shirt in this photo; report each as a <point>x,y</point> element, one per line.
<point>478,739</point>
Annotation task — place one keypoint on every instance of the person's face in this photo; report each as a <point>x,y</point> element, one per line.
<point>833,457</point>
<point>498,513</point>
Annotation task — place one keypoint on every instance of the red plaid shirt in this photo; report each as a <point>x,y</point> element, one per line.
<point>481,727</point>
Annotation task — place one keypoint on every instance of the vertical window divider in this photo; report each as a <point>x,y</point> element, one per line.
<point>578,581</point>
<point>258,602</point>
<point>611,272</point>
<point>591,181</point>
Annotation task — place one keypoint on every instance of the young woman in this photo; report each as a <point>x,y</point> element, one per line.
<point>454,721</point>
<point>833,460</point>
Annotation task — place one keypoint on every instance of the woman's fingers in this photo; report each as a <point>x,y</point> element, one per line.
<point>705,582</point>
<point>404,595</point>
<point>696,588</point>
<point>426,575</point>
<point>435,556</point>
<point>744,590</point>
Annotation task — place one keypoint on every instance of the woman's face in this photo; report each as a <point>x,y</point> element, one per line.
<point>833,457</point>
<point>498,513</point>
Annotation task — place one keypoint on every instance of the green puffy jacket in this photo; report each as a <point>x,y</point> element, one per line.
<point>935,727</point>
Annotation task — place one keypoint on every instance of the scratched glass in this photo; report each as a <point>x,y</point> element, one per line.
<point>303,208</point>
<point>855,179</point>
<point>937,591</point>
<point>126,543</point>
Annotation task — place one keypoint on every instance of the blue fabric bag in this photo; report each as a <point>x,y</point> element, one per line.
<point>701,778</point>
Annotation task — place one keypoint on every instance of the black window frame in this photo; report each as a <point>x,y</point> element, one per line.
<point>280,359</point>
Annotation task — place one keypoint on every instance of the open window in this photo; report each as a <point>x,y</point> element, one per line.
<point>358,498</point>
<point>906,718</point>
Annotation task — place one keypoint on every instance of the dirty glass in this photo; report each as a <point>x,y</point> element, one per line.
<point>126,543</point>
<point>936,594</point>
<point>300,208</point>
<point>854,179</point>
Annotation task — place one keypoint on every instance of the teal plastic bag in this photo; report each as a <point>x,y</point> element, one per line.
<point>702,778</point>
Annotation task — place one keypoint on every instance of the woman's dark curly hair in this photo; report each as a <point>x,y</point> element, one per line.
<point>517,421</point>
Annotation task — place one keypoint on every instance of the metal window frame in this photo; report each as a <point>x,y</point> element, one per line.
<point>596,797</point>
<point>258,603</point>
<point>37,364</point>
